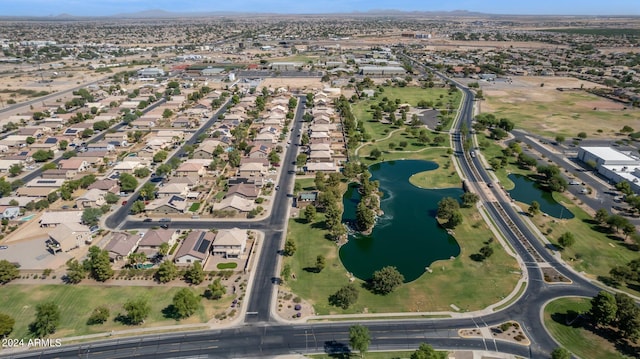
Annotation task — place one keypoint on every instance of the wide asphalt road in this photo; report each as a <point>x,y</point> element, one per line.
<point>266,339</point>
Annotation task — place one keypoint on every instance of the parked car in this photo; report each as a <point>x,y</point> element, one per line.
<point>124,202</point>
<point>4,247</point>
<point>147,220</point>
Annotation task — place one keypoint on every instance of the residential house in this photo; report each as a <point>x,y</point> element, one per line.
<point>68,236</point>
<point>108,185</point>
<point>306,198</point>
<point>206,149</point>
<point>187,169</point>
<point>167,205</point>
<point>313,167</point>
<point>244,190</point>
<point>9,212</point>
<point>234,203</point>
<point>173,189</point>
<point>195,248</point>
<point>320,137</point>
<point>93,198</point>
<point>52,219</point>
<point>320,156</point>
<point>230,243</point>
<point>252,170</point>
<point>121,245</point>
<point>73,164</point>
<point>181,122</point>
<point>154,238</point>
<point>120,137</point>
<point>259,151</point>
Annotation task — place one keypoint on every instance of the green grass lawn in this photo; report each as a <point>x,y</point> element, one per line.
<point>306,184</point>
<point>391,145</point>
<point>594,252</point>
<point>229,265</point>
<point>194,207</point>
<point>463,282</point>
<point>77,302</point>
<point>582,342</point>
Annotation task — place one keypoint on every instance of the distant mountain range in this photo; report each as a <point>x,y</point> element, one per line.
<point>163,14</point>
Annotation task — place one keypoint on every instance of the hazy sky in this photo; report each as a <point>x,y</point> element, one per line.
<point>109,7</point>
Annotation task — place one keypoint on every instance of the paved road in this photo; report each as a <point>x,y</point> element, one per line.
<point>262,338</point>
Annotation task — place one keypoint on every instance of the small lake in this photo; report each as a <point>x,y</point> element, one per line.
<point>407,236</point>
<point>527,191</point>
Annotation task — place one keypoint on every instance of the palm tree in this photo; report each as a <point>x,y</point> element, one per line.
<point>137,258</point>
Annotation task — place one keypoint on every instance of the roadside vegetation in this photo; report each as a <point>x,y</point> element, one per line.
<point>605,326</point>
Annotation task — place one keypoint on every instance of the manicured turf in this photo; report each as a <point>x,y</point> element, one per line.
<point>463,282</point>
<point>582,342</point>
<point>368,355</point>
<point>445,176</point>
<point>230,265</point>
<point>194,207</point>
<point>594,252</point>
<point>306,184</point>
<point>77,302</point>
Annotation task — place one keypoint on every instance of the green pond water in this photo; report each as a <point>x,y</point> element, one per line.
<point>527,191</point>
<point>407,236</point>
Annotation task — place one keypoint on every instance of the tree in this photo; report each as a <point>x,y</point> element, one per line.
<point>582,135</point>
<point>365,217</point>
<point>301,160</point>
<point>137,310</point>
<point>6,325</point>
<point>567,239</point>
<point>375,153</point>
<point>75,272</point>
<point>167,271</point>
<point>148,191</point>
<point>289,248</point>
<point>426,351</point>
<point>5,187</point>
<point>469,199</point>
<point>359,338</point>
<point>603,308</point>
<point>100,125</point>
<point>160,156</point>
<point>560,353</point>
<point>167,113</point>
<point>320,263</point>
<point>69,154</point>
<point>163,250</point>
<point>185,303</point>
<point>215,290</point>
<point>601,216</point>
<point>486,252</point>
<point>98,264</point>
<point>386,280</point>
<point>534,208</point>
<point>195,275</point>
<point>627,317</point>
<point>141,172</point>
<point>91,216</point>
<point>42,155</point>
<point>128,183</point>
<point>15,169</point>
<point>163,169</point>
<point>62,145</point>
<point>88,132</point>
<point>8,271</point>
<point>47,320</point>
<point>138,207</point>
<point>99,315</point>
<point>446,207</point>
<point>455,219</point>
<point>310,213</point>
<point>344,297</point>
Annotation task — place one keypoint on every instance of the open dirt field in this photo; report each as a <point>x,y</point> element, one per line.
<point>293,83</point>
<point>545,110</point>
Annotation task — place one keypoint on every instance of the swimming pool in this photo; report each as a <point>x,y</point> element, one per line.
<point>26,218</point>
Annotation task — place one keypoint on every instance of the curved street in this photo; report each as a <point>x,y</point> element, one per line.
<point>262,335</point>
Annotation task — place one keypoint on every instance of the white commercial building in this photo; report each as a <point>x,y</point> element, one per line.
<point>615,165</point>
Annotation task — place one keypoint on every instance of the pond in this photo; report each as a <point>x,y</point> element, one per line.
<point>407,236</point>
<point>527,191</point>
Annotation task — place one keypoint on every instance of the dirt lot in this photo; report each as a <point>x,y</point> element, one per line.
<point>294,83</point>
<point>535,105</point>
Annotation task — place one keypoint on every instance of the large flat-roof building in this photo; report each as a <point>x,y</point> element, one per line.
<point>615,165</point>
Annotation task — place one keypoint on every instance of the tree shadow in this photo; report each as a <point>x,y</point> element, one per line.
<point>336,349</point>
<point>609,281</point>
<point>123,319</point>
<point>300,220</point>
<point>318,225</point>
<point>170,312</point>
<point>477,257</point>
<point>311,269</point>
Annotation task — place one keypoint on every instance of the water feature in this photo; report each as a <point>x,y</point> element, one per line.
<point>407,236</point>
<point>527,191</point>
